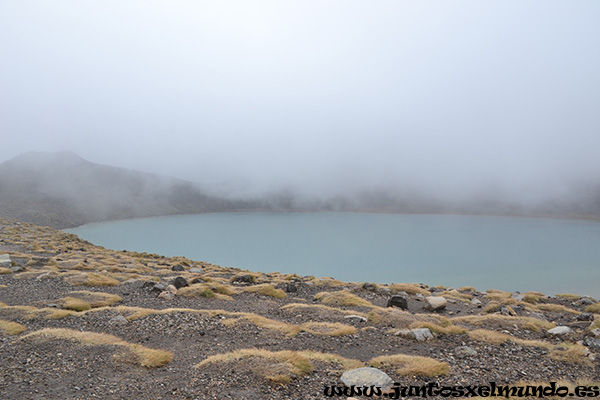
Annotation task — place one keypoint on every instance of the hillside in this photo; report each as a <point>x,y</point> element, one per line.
<point>64,190</point>
<point>78,321</point>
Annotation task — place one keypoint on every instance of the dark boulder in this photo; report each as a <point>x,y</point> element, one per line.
<point>179,282</point>
<point>398,301</point>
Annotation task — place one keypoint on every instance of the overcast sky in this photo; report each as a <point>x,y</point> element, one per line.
<point>324,95</point>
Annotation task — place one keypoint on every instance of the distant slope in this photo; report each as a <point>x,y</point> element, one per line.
<point>64,190</point>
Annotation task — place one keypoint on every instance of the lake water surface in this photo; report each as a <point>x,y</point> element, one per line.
<point>548,255</point>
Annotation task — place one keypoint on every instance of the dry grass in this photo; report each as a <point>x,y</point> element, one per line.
<point>406,365</point>
<point>299,307</point>
<point>410,288</point>
<point>266,289</point>
<point>4,271</point>
<point>342,298</point>
<point>531,298</point>
<point>593,308</point>
<point>92,279</point>
<point>328,328</point>
<point>503,321</point>
<point>11,328</point>
<point>566,352</point>
<point>491,307</point>
<point>557,308</point>
<point>444,328</point>
<point>75,304</point>
<point>456,295</point>
<point>400,318</point>
<point>569,296</point>
<point>467,289</point>
<point>3,305</point>
<point>144,356</point>
<point>280,366</point>
<point>208,290</point>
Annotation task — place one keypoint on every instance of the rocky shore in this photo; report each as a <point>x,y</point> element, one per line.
<point>78,321</point>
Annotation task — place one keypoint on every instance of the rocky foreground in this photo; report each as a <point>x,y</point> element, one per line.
<point>78,321</point>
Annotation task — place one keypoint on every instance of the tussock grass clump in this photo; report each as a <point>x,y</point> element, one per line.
<point>410,288</point>
<point>569,296</point>
<point>207,290</point>
<point>92,279</point>
<point>444,328</point>
<point>593,308</point>
<point>144,356</point>
<point>4,271</point>
<point>280,366</point>
<point>566,352</point>
<point>319,308</point>
<point>328,328</point>
<point>456,295</point>
<point>491,307</point>
<point>467,289</point>
<point>407,365</point>
<point>400,318</point>
<point>557,308</point>
<point>11,328</point>
<point>531,298</point>
<point>97,299</point>
<point>75,304</point>
<point>503,321</point>
<point>342,298</point>
<point>2,305</point>
<point>266,289</point>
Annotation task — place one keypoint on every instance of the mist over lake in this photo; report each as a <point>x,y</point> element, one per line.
<point>548,255</point>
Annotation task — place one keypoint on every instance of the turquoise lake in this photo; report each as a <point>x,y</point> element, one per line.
<point>548,255</point>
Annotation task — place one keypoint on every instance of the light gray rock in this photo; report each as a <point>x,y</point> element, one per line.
<point>196,270</point>
<point>476,302</point>
<point>356,318</point>
<point>560,330</point>
<point>5,261</point>
<point>367,376</point>
<point>465,351</point>
<point>436,303</point>
<point>517,296</point>
<point>119,319</point>
<point>420,335</point>
<point>17,269</point>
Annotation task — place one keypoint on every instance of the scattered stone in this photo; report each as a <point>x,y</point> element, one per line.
<point>179,282</point>
<point>517,296</point>
<point>508,311</point>
<point>356,317</point>
<point>52,305</point>
<point>367,376</point>
<point>537,315</point>
<point>592,343</point>
<point>586,301</point>
<point>420,334</point>
<point>196,280</point>
<point>158,287</point>
<point>171,289</point>
<point>596,332</point>
<point>119,319</point>
<point>398,301</point>
<point>17,269</point>
<point>370,287</point>
<point>586,316</point>
<point>465,351</point>
<point>196,270</point>
<point>291,287</point>
<point>560,330</point>
<point>436,303</point>
<point>178,268</point>
<point>476,302</point>
<point>132,280</point>
<point>5,260</point>
<point>166,295</point>
<point>385,291</point>
<point>243,280</point>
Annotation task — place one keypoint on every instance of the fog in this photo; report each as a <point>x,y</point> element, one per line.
<point>460,99</point>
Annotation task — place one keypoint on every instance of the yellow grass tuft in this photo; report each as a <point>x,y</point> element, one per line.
<point>266,289</point>
<point>11,328</point>
<point>445,328</point>
<point>328,328</point>
<point>410,288</point>
<point>91,279</point>
<point>342,298</point>
<point>280,366</point>
<point>5,271</point>
<point>531,324</point>
<point>557,308</point>
<point>569,296</point>
<point>406,365</point>
<point>72,303</point>
<point>144,356</point>
<point>593,308</point>
<point>97,299</point>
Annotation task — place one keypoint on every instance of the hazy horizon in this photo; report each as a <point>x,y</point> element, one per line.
<point>456,99</point>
